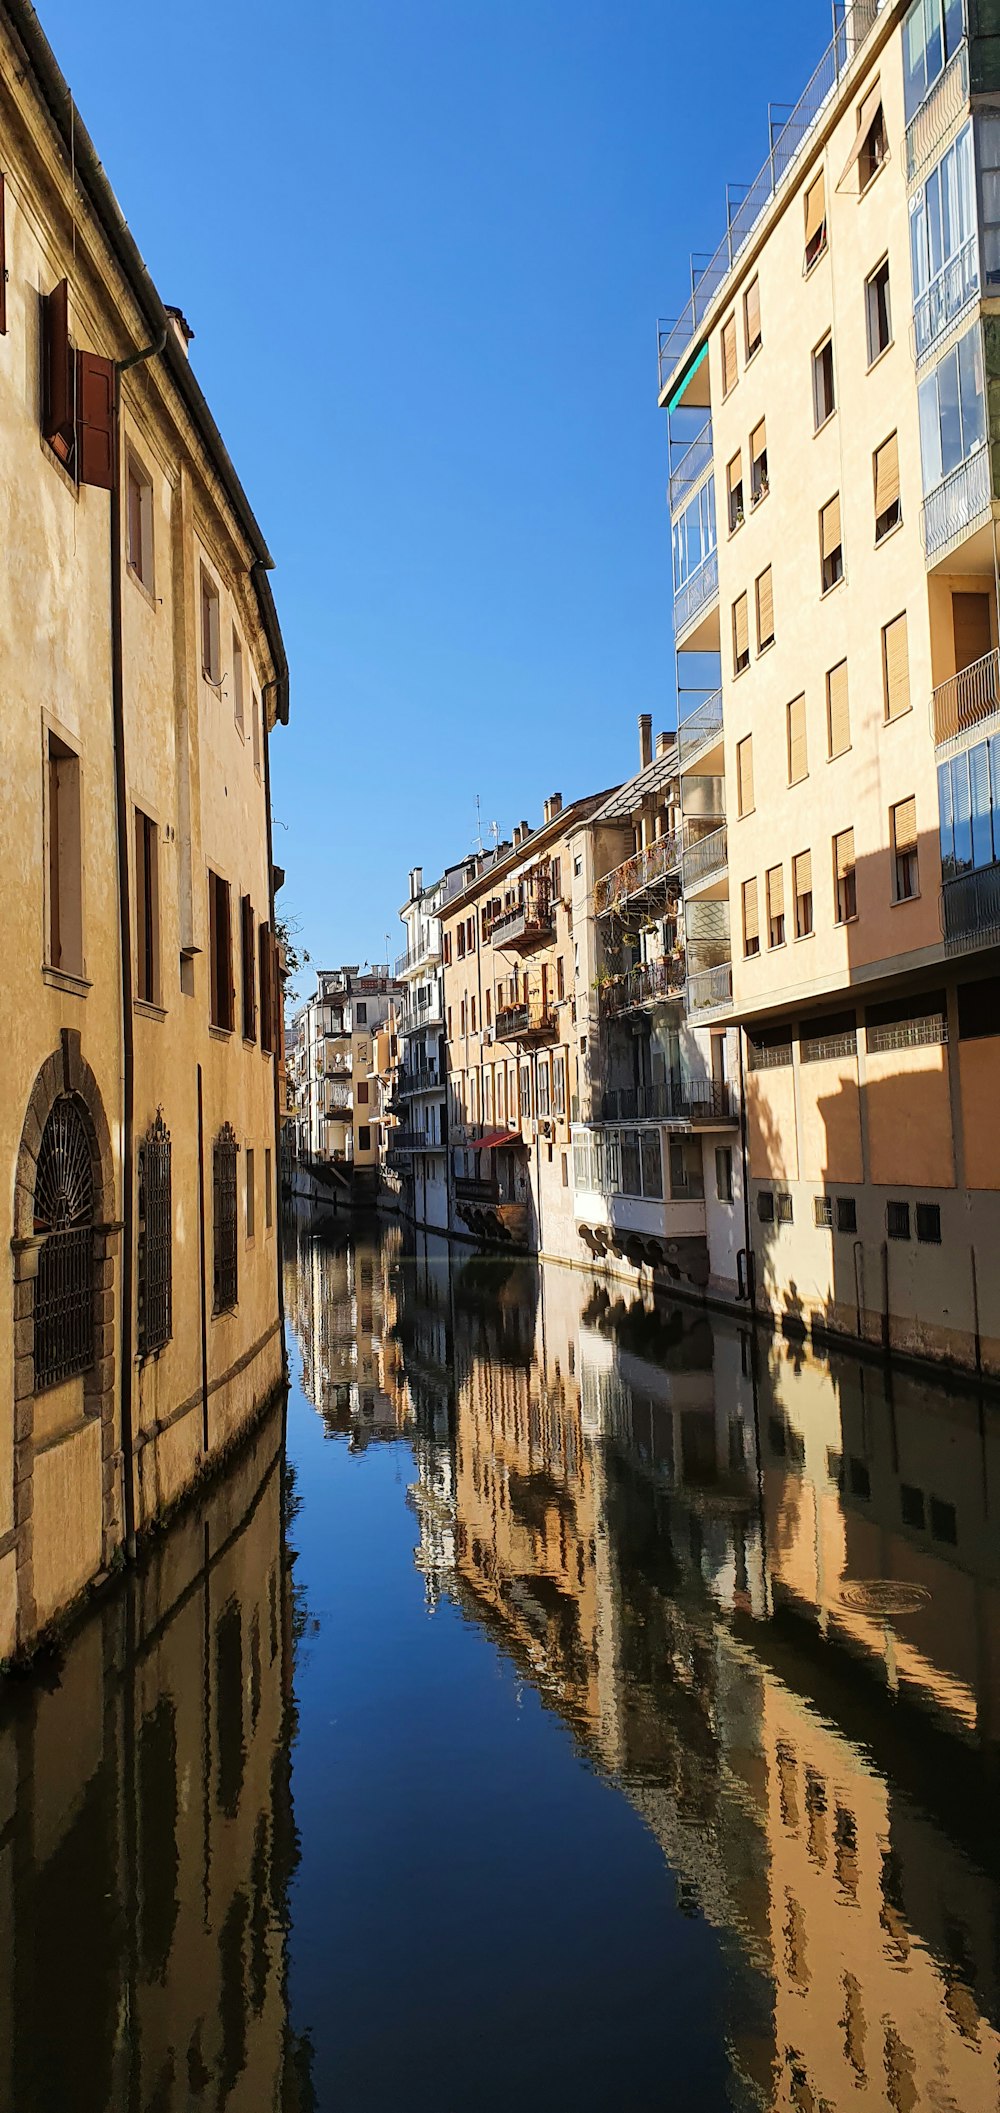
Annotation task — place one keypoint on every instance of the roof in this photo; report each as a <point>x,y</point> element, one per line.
<point>536,841</point>
<point>646,781</point>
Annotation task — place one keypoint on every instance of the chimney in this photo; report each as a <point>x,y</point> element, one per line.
<point>553,806</point>
<point>645,740</point>
<point>525,830</point>
<point>416,882</point>
<point>181,327</point>
<point>517,836</point>
<point>663,743</point>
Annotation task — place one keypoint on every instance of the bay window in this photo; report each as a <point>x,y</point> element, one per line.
<point>944,249</point>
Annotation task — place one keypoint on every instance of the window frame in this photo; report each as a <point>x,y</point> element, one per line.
<point>143,573</point>
<point>871,286</point>
<point>210,600</point>
<point>825,344</point>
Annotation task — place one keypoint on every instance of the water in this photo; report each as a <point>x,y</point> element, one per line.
<point>594,1709</point>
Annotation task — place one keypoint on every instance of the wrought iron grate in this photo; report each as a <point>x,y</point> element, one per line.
<point>154,1277</point>
<point>224,1218</point>
<point>64,1212</point>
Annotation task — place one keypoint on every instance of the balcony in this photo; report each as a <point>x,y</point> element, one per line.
<point>961,503</point>
<point>528,923</point>
<point>533,1021</point>
<point>943,301</point>
<point>645,873</point>
<point>699,734</point>
<point>426,955</point>
<point>967,699</point>
<point>706,858</point>
<point>711,990</point>
<point>416,1078</point>
<point>699,593</point>
<point>697,1101</point>
<point>339,1102</point>
<point>692,466</point>
<point>945,102</point>
<point>649,983</point>
<point>470,1191</point>
<point>970,910</point>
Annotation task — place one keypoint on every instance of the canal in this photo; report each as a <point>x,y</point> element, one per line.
<point>575,1704</point>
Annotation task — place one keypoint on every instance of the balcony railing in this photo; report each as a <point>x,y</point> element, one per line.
<point>644,870</point>
<point>711,990</point>
<point>642,985</point>
<point>529,921</point>
<point>700,730</point>
<point>469,1191</point>
<point>946,100</point>
<point>964,499</point>
<point>418,957</point>
<point>691,468</point>
<point>942,302</point>
<point>967,698</point>
<point>517,1023</point>
<point>706,856</point>
<point>852,24</point>
<point>681,1100</point>
<point>970,909</point>
<point>416,1078</point>
<point>697,594</point>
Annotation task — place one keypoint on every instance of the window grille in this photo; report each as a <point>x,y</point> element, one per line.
<point>64,1212</point>
<point>224,1219</point>
<point>823,1210</point>
<point>815,1049</point>
<point>768,1056</point>
<point>154,1273</point>
<point>909,1034</point>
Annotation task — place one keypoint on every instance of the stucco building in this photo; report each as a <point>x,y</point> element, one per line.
<point>330,1063</point>
<point>143,675</point>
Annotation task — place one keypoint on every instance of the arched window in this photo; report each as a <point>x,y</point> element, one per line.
<point>154,1273</point>
<point>224,1218</point>
<point>64,1213</point>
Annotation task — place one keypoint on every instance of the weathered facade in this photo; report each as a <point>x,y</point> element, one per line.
<point>143,674</point>
<point>335,1101</point>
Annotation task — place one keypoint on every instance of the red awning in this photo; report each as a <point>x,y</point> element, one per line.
<point>494,1139</point>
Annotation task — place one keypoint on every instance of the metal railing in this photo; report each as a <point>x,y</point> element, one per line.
<point>930,1031</point>
<point>853,23</point>
<point>711,989</point>
<point>705,856</point>
<point>939,109</point>
<point>642,985</point>
<point>513,1021</point>
<point>691,468</point>
<point>697,593</point>
<point>468,1190</point>
<point>417,956</point>
<point>529,920</point>
<point>416,1078</point>
<point>681,1100</point>
<point>943,301</point>
<point>967,698</point>
<point>637,873</point>
<point>970,909</point>
<point>964,499</point>
<point>700,730</point>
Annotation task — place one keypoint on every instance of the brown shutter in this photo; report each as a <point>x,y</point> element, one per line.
<point>95,395</point>
<point>744,774</point>
<point>741,629</point>
<point>815,208</point>
<point>3,256</point>
<point>802,867</point>
<point>904,823</point>
<point>843,852</point>
<point>58,416</point>
<point>751,920</point>
<point>728,354</point>
<point>776,892</point>
<point>734,474</point>
<point>797,763</point>
<point>830,527</point>
<point>838,709</point>
<point>752,308</point>
<point>897,668</point>
<point>765,609</point>
<point>866,119</point>
<point>886,476</point>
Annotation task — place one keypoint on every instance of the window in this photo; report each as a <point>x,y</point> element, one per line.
<point>831,551</point>
<point>63,1311</point>
<point>988,157</point>
<point>578,868</point>
<point>251,1202</point>
<point>903,822</point>
<point>845,879</point>
<point>154,1321</point>
<point>741,635</point>
<point>65,860</point>
<point>489,1004</point>
<point>686,1172</point>
<point>871,144</point>
<point>897,1221</point>
<point>247,945</point>
<point>911,1505</point>
<point>225,1268</point>
<point>268,1189</point>
<point>220,953</point>
<point>824,392</point>
<point>461,1016</point>
<point>555,881</point>
<point>267,984</point>
<point>798,766</point>
<point>693,536</point>
<point>896,668</point>
<point>447,950</point>
<point>751,919</point>
<point>147,909</point>
<point>932,32</point>
<point>558,1084</point>
<point>58,377</point>
<point>744,774</point>
<point>775,881</point>
<point>361,1091</point>
<point>724,1173</point>
<point>560,977</point>
<point>139,522</point>
<point>256,733</point>
<point>460,936</point>
<point>838,715</point>
<point>878,312</point>
<point>542,1085</point>
<point>751,318</point>
<point>944,1522</point>
<point>952,407</point>
<point>237,682</point>
<point>734,492</point>
<point>758,463</point>
<point>944,251</point>
<point>472,1009</point>
<point>765,1206</point>
<point>802,882</point>
<point>888,511</point>
<point>728,355</point>
<point>210,646</point>
<point>784,1204</point>
<point>823,1211</point>
<point>364,1138</point>
<point>525,1090</point>
<point>815,211</point>
<point>847,1214</point>
<point>969,805</point>
<point>765,611</point>
<point>929,1223</point>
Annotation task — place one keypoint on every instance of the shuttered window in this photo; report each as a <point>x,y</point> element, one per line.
<point>844,876</point>
<point>58,376</point>
<point>798,766</point>
<point>838,717</point>
<point>734,490</point>
<point>831,551</point>
<point>744,774</point>
<point>95,396</point>
<point>728,354</point>
<point>758,463</point>
<point>751,317</point>
<point>888,512</point>
<point>802,884</point>
<point>765,611</point>
<point>776,906</point>
<point>741,635</point>
<point>896,668</point>
<point>751,919</point>
<point>903,819</point>
<point>815,219</point>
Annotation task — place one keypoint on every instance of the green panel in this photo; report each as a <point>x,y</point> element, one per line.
<point>688,375</point>
<point>984,45</point>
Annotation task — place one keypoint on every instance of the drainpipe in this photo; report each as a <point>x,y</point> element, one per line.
<point>134,359</point>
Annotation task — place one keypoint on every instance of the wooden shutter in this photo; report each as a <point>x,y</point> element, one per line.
<point>886,476</point>
<point>815,208</point>
<point>744,774</point>
<point>830,527</point>
<point>897,668</point>
<point>58,417</point>
<point>843,853</point>
<point>904,825</point>
<point>247,951</point>
<point>3,256</point>
<point>95,395</point>
<point>838,709</point>
<point>266,993</point>
<point>765,610</point>
<point>751,920</point>
<point>758,442</point>
<point>728,354</point>
<point>741,630</point>
<point>776,892</point>
<point>798,766</point>
<point>751,304</point>
<point>734,474</point>
<point>802,873</point>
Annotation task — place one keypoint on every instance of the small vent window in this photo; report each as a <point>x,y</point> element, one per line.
<point>765,1206</point>
<point>847,1214</point>
<point>897,1221</point>
<point>823,1210</point>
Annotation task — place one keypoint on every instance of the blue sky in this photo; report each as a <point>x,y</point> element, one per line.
<point>423,245</point>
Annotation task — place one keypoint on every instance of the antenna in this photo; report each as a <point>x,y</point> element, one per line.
<point>479,827</point>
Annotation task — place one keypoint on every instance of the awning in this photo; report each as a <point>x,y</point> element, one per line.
<point>866,119</point>
<point>494,1140</point>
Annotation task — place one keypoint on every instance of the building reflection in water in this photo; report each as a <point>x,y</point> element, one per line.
<point>146,1834</point>
<point>762,1589</point>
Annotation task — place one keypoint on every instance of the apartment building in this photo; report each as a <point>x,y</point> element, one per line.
<point>420,1142</point>
<point>830,391</point>
<point>144,675</point>
<point>330,1058</point>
